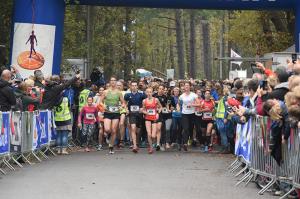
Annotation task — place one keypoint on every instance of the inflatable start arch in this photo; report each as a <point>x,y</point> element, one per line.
<point>38,25</point>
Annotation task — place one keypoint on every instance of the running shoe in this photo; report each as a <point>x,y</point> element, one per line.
<point>150,150</point>
<point>99,147</point>
<point>205,149</point>
<point>121,144</point>
<point>111,150</point>
<point>143,144</point>
<point>210,148</point>
<point>185,147</point>
<point>162,148</point>
<point>168,146</point>
<point>157,147</point>
<point>135,150</point>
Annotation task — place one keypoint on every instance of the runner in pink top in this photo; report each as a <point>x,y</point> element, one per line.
<point>89,114</point>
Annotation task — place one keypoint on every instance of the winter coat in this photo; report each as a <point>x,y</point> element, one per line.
<point>7,96</point>
<point>278,93</point>
<point>26,99</point>
<point>53,93</point>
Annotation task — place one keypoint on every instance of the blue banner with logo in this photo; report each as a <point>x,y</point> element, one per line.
<point>243,140</point>
<point>4,133</point>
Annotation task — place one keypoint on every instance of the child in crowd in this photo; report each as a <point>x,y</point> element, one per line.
<point>87,122</point>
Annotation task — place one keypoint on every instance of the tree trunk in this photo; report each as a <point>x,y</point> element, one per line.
<point>186,45</point>
<point>179,41</point>
<point>266,29</point>
<point>171,50</point>
<point>206,50</point>
<point>127,64</point>
<point>192,71</point>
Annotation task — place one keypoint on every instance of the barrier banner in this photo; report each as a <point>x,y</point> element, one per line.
<point>16,132</point>
<point>43,121</point>
<point>27,131</point>
<point>243,140</point>
<point>36,131</point>
<point>4,133</point>
<point>52,131</point>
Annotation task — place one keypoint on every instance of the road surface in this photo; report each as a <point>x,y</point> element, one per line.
<point>97,175</point>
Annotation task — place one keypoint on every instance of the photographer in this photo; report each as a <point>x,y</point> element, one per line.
<point>281,88</point>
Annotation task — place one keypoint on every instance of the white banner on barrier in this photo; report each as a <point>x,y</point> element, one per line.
<point>16,132</point>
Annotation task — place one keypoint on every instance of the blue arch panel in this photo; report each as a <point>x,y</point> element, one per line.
<point>198,4</point>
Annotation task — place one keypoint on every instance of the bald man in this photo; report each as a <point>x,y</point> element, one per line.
<point>7,96</point>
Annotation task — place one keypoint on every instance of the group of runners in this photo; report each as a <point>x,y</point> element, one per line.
<point>172,116</point>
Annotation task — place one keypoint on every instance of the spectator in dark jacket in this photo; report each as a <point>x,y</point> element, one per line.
<point>280,89</point>
<point>54,91</point>
<point>26,99</point>
<point>7,97</point>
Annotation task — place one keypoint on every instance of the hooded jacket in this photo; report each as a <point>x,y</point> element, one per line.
<point>278,93</point>
<point>7,96</point>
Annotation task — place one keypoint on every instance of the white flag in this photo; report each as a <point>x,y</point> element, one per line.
<point>234,54</point>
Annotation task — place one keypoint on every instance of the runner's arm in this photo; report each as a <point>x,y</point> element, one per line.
<point>159,106</point>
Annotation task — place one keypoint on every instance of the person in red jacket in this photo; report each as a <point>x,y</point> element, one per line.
<point>89,116</point>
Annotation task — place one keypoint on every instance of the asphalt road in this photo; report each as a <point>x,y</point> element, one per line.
<point>97,175</point>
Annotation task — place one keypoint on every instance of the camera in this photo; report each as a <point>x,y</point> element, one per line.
<point>263,84</point>
<point>229,109</point>
<point>294,58</point>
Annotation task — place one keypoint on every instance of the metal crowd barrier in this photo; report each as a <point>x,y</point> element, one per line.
<point>27,136</point>
<point>261,166</point>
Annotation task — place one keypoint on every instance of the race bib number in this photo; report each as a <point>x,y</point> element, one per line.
<point>207,116</point>
<point>198,113</point>
<point>151,111</point>
<point>134,108</point>
<point>113,109</point>
<point>90,116</point>
<point>165,110</point>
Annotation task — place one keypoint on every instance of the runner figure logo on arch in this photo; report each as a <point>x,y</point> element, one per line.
<point>31,60</point>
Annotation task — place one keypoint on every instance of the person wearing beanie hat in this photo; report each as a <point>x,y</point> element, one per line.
<point>38,78</point>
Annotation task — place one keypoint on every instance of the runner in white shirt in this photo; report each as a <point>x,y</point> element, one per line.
<point>187,100</point>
